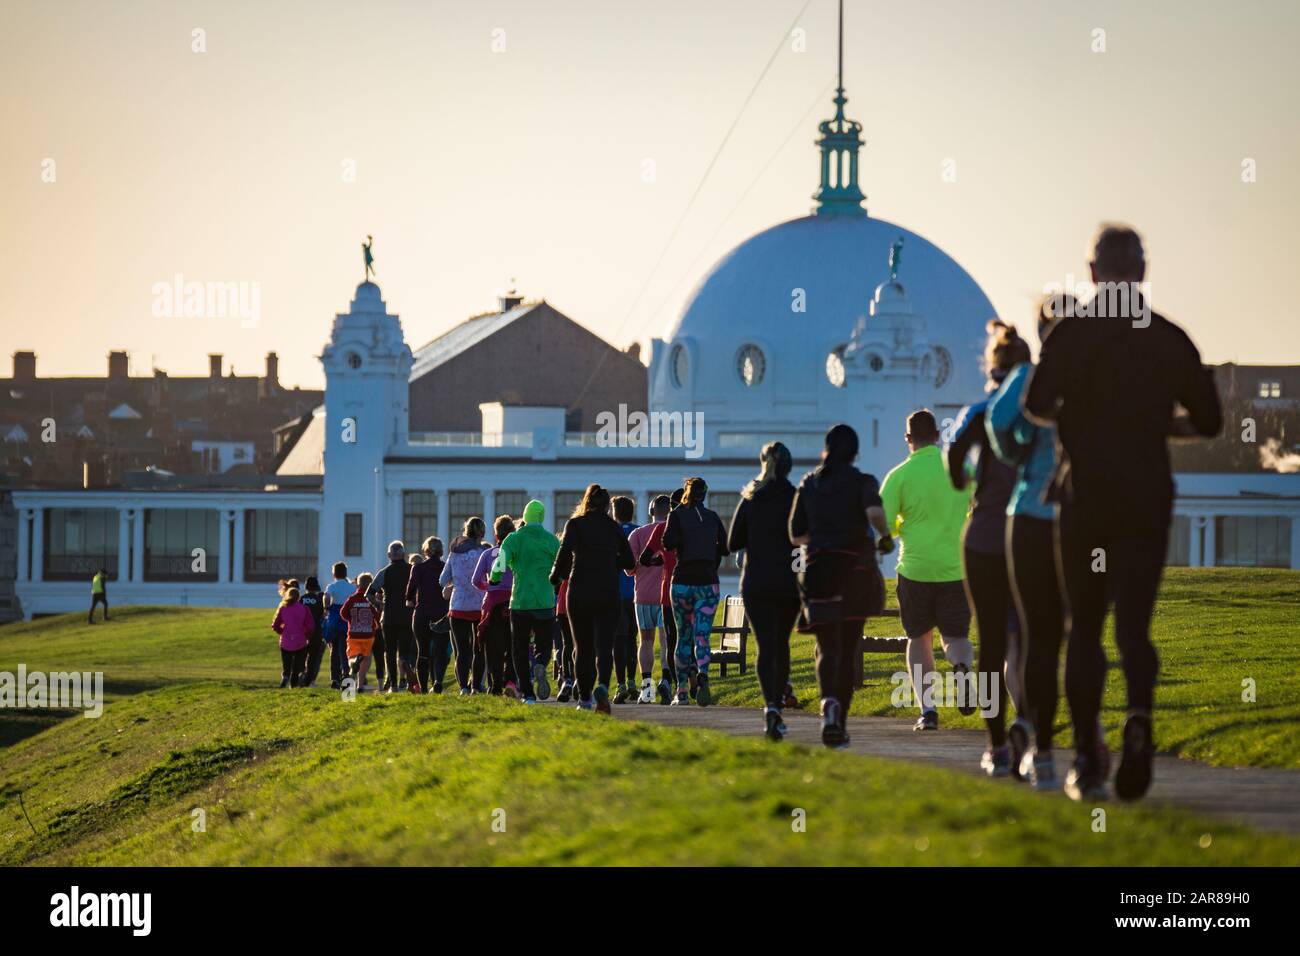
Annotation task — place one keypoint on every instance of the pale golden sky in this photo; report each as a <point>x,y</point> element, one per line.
<point>474,166</point>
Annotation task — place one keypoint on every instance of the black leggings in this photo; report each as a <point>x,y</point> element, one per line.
<point>291,664</point>
<point>492,656</point>
<point>988,592</point>
<point>670,629</point>
<point>433,648</point>
<point>1037,593</point>
<point>1131,579</point>
<point>525,629</point>
<point>772,620</point>
<point>462,637</point>
<point>625,643</point>
<point>839,649</point>
<point>594,624</point>
<point>564,648</point>
<point>399,649</point>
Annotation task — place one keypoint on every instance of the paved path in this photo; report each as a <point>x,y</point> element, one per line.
<point>1266,799</point>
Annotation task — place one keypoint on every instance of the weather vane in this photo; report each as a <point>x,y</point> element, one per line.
<point>369,256</point>
<point>895,257</point>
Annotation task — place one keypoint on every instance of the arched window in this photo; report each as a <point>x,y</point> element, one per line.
<point>751,365</point>
<point>679,366</point>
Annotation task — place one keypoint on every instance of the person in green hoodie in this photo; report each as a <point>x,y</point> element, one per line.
<point>529,552</point>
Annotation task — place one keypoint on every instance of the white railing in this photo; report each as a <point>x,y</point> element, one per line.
<point>473,439</point>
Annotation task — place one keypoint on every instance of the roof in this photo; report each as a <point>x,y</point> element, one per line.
<point>307,454</point>
<point>461,337</point>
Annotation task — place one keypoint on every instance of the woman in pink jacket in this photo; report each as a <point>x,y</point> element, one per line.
<point>295,625</point>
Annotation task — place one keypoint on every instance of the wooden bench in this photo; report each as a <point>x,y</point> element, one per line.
<point>729,641</point>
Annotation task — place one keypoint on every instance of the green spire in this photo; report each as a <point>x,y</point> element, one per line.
<point>839,143</point>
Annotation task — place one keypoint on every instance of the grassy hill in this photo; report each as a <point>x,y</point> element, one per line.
<point>194,723</point>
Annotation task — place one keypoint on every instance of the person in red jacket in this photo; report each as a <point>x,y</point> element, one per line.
<point>654,555</point>
<point>362,618</point>
<point>295,625</point>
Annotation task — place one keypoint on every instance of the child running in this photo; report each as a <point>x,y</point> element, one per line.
<point>648,605</point>
<point>294,624</point>
<point>362,619</point>
<point>336,629</point>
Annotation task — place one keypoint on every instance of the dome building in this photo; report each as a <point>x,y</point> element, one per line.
<point>809,323</point>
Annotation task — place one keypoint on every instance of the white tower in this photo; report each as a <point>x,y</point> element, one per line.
<point>367,374</point>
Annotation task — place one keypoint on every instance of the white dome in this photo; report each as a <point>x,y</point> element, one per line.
<point>742,318</point>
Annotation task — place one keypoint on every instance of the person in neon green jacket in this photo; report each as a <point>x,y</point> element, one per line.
<point>529,552</point>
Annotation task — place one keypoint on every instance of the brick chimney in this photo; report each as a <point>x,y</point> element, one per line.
<point>117,365</point>
<point>24,366</point>
<point>270,383</point>
<point>214,365</point>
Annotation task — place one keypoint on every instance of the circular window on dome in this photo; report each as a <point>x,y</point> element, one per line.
<point>875,362</point>
<point>942,366</point>
<point>835,366</point>
<point>354,360</point>
<point>679,366</point>
<point>750,365</point>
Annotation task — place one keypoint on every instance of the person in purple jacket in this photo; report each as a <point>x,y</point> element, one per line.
<point>295,624</point>
<point>429,621</point>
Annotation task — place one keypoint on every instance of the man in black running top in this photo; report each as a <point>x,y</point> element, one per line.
<point>1117,381</point>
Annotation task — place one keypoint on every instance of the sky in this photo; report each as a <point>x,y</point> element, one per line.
<point>562,148</point>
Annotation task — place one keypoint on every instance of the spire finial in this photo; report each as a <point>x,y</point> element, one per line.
<point>840,141</point>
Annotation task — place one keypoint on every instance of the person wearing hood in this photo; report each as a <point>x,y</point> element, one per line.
<point>593,552</point>
<point>761,529</point>
<point>835,509</point>
<point>988,589</point>
<point>697,535</point>
<point>529,553</point>
<point>466,601</point>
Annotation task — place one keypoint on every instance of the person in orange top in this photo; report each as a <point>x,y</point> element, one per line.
<point>362,618</point>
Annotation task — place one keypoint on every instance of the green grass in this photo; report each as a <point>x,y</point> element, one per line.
<point>193,722</point>
<point>1213,628</point>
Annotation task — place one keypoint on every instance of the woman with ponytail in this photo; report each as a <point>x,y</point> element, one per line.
<point>700,540</point>
<point>760,528</point>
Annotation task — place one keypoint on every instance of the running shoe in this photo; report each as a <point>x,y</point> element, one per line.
<point>1041,771</point>
<point>414,687</point>
<point>791,701</point>
<point>511,690</point>
<point>540,681</point>
<point>566,692</point>
<point>695,684</point>
<point>702,695</point>
<point>775,729</point>
<point>681,700</point>
<point>967,706</point>
<point>832,730</point>
<point>665,692</point>
<point>464,692</point>
<point>585,705</point>
<point>1084,782</point>
<point>1018,736</point>
<point>601,697</point>
<point>927,721</point>
<point>436,689</point>
<point>1133,777</point>
<point>530,700</point>
<point>647,692</point>
<point>997,762</point>
<point>620,695</point>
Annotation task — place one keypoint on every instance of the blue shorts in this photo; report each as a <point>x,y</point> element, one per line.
<point>649,616</point>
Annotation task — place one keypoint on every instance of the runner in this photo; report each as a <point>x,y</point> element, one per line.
<point>988,589</point>
<point>926,516</point>
<point>835,508</point>
<point>293,623</point>
<point>625,651</point>
<point>429,616</point>
<point>336,629</point>
<point>1111,383</point>
<point>492,654</point>
<point>362,619</point>
<point>98,594</point>
<point>647,600</point>
<point>1031,559</point>
<point>655,555</point>
<point>389,586</point>
<point>466,601</point>
<point>761,529</point>
<point>529,553</point>
<point>311,600</point>
<point>592,551</point>
<point>565,674</point>
<point>697,535</point>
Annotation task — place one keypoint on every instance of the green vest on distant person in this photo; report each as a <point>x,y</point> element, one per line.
<point>97,583</point>
<point>926,514</point>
